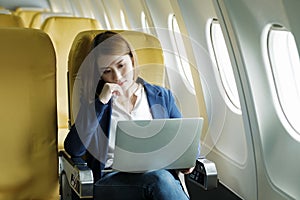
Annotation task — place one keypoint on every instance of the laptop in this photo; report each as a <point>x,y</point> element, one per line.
<point>145,145</point>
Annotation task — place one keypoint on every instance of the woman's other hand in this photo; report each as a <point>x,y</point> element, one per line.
<point>187,171</point>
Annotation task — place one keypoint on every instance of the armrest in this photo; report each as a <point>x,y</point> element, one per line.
<point>205,174</point>
<point>79,175</point>
<point>73,161</point>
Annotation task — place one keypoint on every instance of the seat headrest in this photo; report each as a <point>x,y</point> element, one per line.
<point>147,48</point>
<point>10,20</point>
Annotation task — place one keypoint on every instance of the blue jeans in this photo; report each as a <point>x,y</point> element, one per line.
<point>156,185</point>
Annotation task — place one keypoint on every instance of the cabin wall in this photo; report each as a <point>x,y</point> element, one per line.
<point>13,4</point>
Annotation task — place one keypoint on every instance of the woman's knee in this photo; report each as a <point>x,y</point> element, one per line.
<point>162,178</point>
<point>165,186</point>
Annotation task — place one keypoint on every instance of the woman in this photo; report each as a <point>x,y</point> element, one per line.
<point>120,95</point>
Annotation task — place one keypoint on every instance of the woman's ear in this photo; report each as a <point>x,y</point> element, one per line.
<point>133,61</point>
<point>135,68</point>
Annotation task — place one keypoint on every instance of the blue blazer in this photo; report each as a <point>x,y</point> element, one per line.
<point>161,103</point>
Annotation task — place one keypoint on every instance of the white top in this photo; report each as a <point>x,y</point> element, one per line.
<point>141,110</point>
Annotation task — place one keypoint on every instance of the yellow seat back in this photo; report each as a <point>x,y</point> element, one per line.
<point>39,18</point>
<point>62,31</point>
<point>28,115</point>
<point>5,11</point>
<point>26,16</point>
<point>147,47</point>
<point>9,20</point>
<point>27,13</point>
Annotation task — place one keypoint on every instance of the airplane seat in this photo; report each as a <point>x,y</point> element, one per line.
<point>4,11</point>
<point>147,48</point>
<point>62,31</point>
<point>27,13</point>
<point>151,68</point>
<point>39,18</point>
<point>28,115</point>
<point>10,20</point>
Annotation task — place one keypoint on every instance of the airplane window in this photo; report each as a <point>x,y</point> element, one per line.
<point>76,8</point>
<point>99,13</point>
<point>223,63</point>
<point>145,23</point>
<point>86,9</point>
<point>61,6</point>
<point>285,67</point>
<point>107,22</point>
<point>124,24</point>
<point>180,53</point>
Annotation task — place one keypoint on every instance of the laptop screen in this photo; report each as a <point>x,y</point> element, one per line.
<point>143,145</point>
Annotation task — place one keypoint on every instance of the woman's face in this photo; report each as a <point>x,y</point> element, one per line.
<point>119,70</point>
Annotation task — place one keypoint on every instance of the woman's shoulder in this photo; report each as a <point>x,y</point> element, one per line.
<point>153,87</point>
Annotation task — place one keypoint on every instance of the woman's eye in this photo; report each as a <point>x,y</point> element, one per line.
<point>120,65</point>
<point>106,71</point>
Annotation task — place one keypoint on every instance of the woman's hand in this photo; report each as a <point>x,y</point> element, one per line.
<point>187,171</point>
<point>108,90</point>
